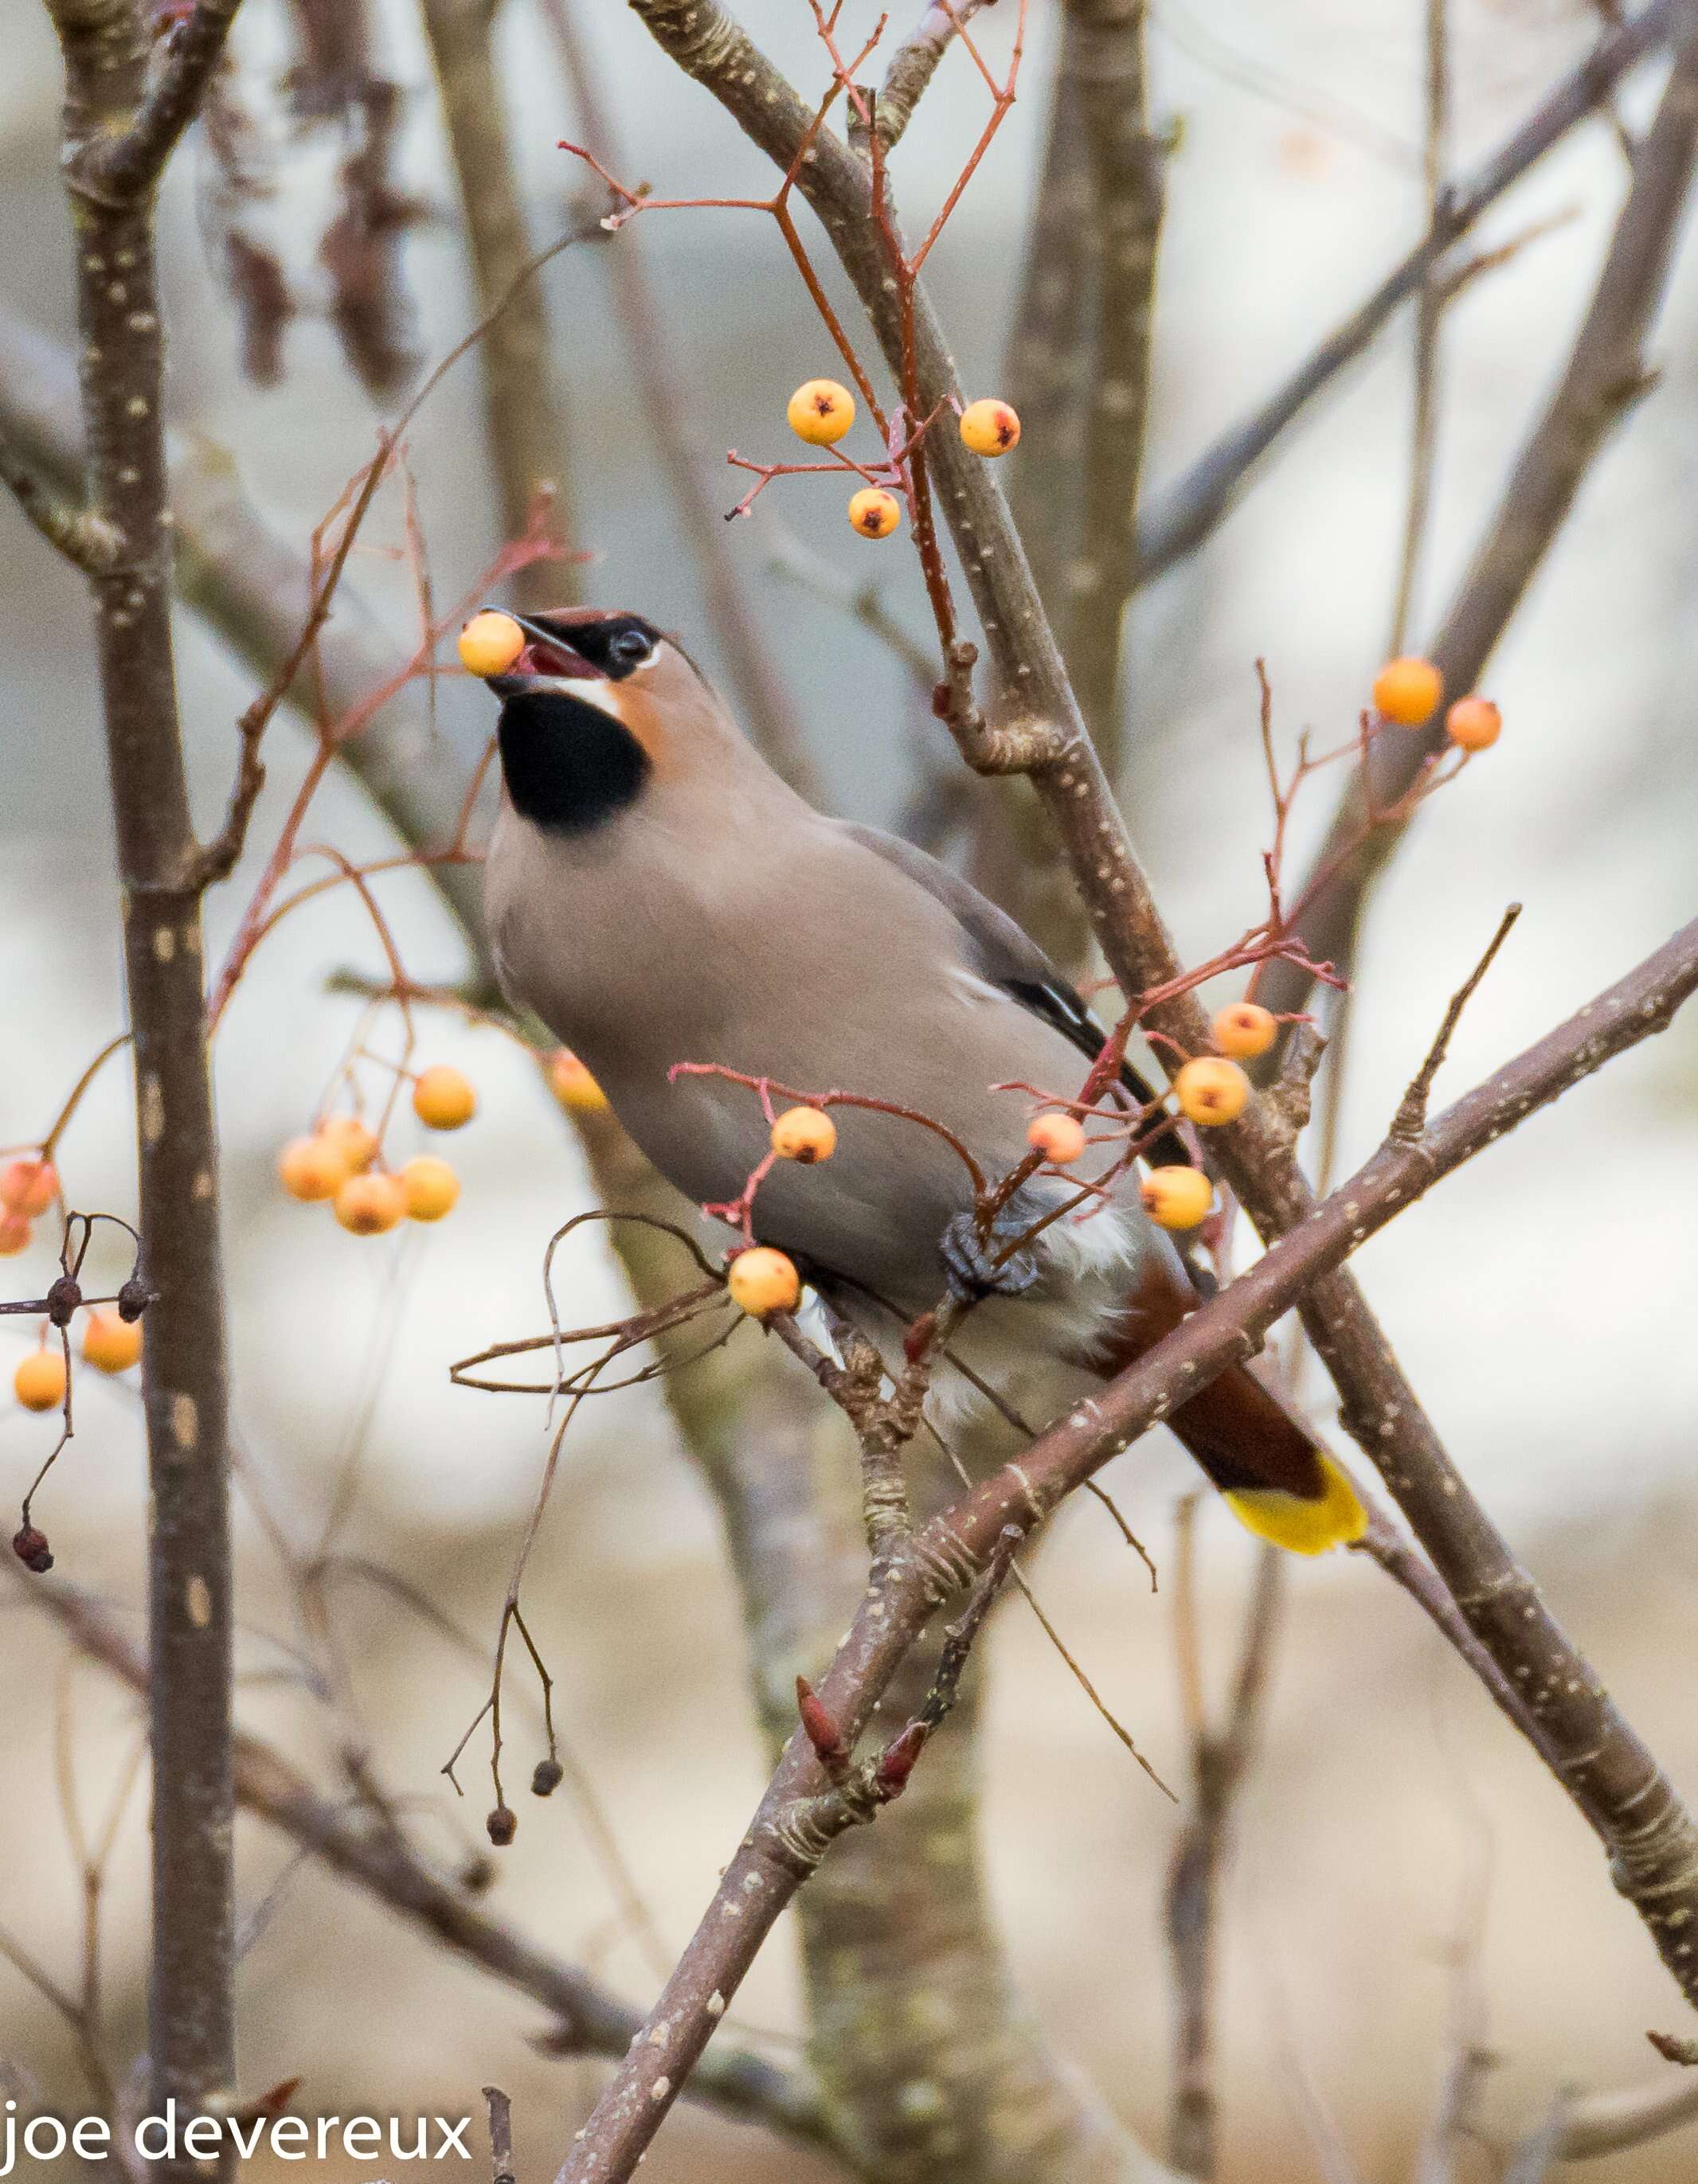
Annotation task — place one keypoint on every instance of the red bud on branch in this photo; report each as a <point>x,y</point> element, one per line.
<point>821,1727</point>
<point>898,1762</point>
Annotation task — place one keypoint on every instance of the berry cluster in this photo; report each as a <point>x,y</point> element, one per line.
<point>27,1188</point>
<point>1409,691</point>
<point>338,1163</point>
<point>760,1279</point>
<point>111,1343</point>
<point>821,412</point>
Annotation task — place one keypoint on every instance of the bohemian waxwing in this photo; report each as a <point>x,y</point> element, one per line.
<point>656,894</point>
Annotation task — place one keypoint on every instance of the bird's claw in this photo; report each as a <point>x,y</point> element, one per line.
<point>974,1264</point>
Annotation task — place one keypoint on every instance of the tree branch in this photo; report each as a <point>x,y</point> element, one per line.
<point>1606,374</point>
<point>81,536</point>
<point>1126,166</point>
<point>256,590</point>
<point>1219,1757</point>
<point>947,1553</point>
<point>1180,518</point>
<point>913,64</point>
<point>117,169</point>
<point>524,413</point>
<point>117,135</point>
<point>378,1858</point>
<point>767,712</point>
<point>1604,1765</point>
<point>1609,2123</point>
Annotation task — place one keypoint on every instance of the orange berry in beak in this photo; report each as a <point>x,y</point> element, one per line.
<point>490,643</point>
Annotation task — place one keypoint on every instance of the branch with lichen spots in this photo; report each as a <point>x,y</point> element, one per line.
<point>1612,1779</point>
<point>1658,1871</point>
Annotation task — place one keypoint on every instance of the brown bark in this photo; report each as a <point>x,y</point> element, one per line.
<point>780,1851</point>
<point>118,133</point>
<point>523,411</point>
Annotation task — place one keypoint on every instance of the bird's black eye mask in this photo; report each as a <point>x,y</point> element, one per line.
<point>612,646</point>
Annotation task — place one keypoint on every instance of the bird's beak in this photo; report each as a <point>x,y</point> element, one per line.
<point>548,656</point>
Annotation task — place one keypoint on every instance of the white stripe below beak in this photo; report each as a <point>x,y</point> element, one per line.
<point>588,690</point>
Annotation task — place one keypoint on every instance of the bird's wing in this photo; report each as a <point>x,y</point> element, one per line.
<point>1010,959</point>
<point>1251,1441</point>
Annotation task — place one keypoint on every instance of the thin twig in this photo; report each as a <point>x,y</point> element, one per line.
<point>1180,517</point>
<point>1606,374</point>
<point>380,1861</point>
<point>949,1553</point>
<point>500,2135</point>
<point>1220,1759</point>
<point>1410,1119</point>
<point>1435,293</point>
<point>81,536</point>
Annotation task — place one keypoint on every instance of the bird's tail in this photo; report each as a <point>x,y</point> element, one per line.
<point>1277,1478</point>
<point>1272,1468</point>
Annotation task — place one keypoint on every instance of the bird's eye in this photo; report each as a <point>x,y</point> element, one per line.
<point>631,646</point>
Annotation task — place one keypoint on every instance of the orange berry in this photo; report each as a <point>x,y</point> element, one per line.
<point>311,1168</point>
<point>573,1085</point>
<point>354,1145</point>
<point>28,1187</point>
<point>1474,723</point>
<point>873,512</point>
<point>1059,1137</point>
<point>990,427</point>
<point>443,1099</point>
<point>1177,1197</point>
<point>805,1135</point>
<point>1243,1029</point>
<point>39,1381</point>
<point>820,412</point>
<point>1408,691</point>
<point>763,1281</point>
<point>367,1205</point>
<point>430,1187</point>
<point>14,1234</point>
<point>1209,1090</point>
<point>490,643</point>
<point>110,1344</point>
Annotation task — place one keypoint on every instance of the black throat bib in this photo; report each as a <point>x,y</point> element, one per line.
<point>568,767</point>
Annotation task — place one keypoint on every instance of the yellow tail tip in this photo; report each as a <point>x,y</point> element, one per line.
<point>1334,1520</point>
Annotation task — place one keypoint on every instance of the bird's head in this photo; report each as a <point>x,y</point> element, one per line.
<point>595,707</point>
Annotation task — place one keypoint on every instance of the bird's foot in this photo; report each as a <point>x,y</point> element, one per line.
<point>980,1266</point>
